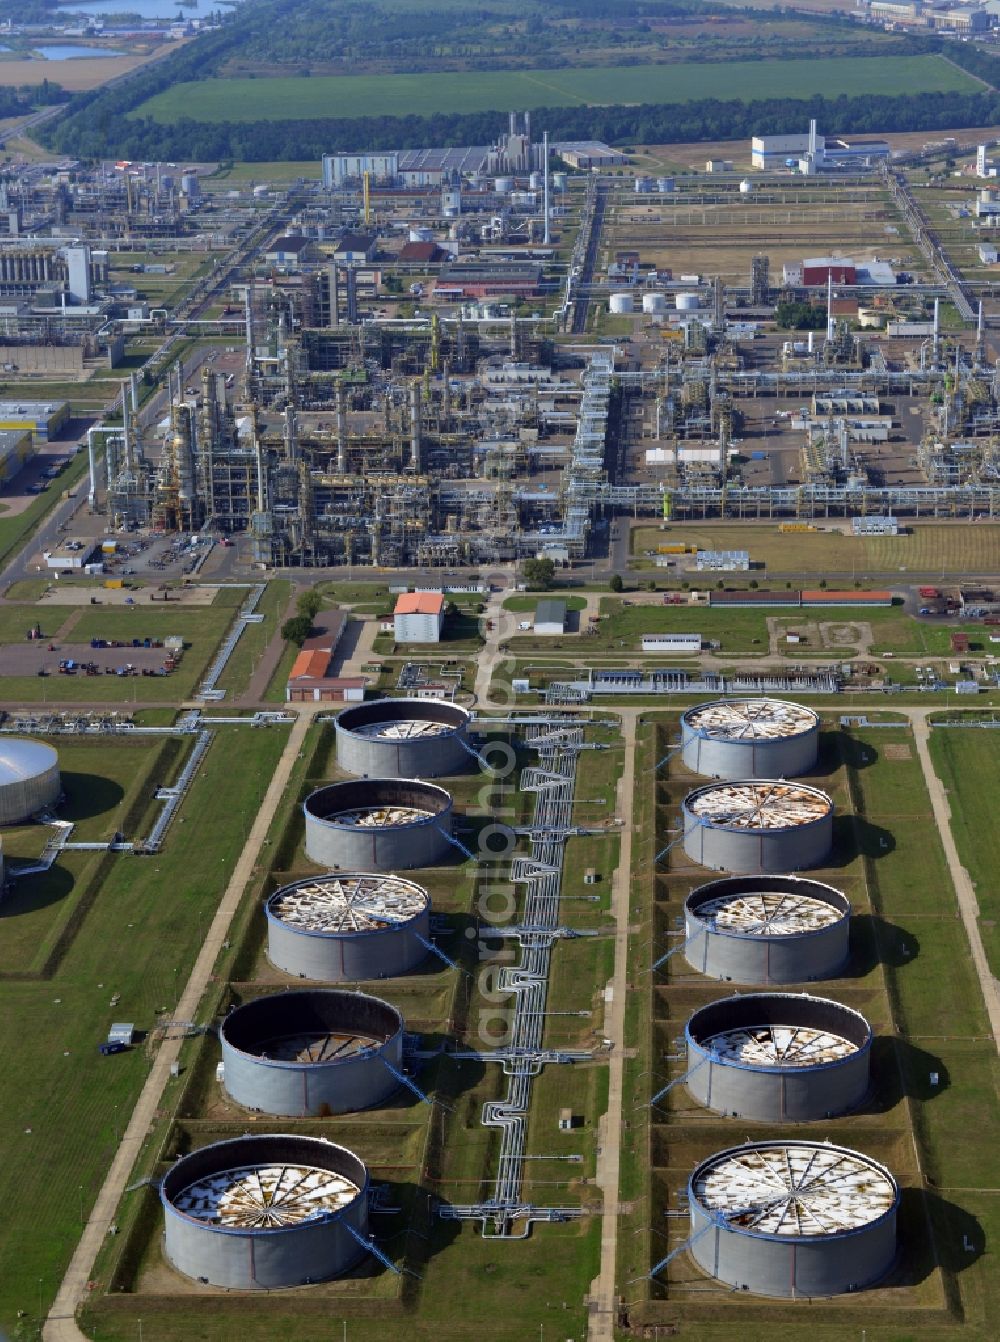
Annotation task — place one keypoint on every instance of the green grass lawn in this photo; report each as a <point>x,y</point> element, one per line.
<point>254,639</point>
<point>58,1129</point>
<point>216,100</point>
<point>968,763</point>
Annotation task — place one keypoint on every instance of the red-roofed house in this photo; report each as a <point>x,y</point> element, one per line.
<point>419,617</point>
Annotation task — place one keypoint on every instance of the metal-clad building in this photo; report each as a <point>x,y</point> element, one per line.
<point>758,826</point>
<point>778,1056</point>
<point>347,927</point>
<point>29,779</point>
<point>265,1212</point>
<point>403,738</point>
<point>767,929</point>
<point>378,824</point>
<point>793,1219</point>
<point>750,738</point>
<point>308,1053</point>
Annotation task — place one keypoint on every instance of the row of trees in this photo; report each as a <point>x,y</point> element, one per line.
<point>96,130</point>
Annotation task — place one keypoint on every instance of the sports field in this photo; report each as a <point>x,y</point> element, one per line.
<point>215,100</point>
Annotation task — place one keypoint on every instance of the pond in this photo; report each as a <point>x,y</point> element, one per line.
<point>71,53</point>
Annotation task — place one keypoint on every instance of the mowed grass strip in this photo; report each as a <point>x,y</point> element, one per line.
<point>215,100</point>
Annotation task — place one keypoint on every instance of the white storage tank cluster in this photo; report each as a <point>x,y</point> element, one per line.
<point>29,779</point>
<point>621,304</point>
<point>687,302</point>
<point>654,304</point>
<point>750,738</point>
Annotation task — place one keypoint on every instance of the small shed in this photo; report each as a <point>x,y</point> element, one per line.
<point>550,617</point>
<point>122,1032</point>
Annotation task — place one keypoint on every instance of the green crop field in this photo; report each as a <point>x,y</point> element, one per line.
<point>216,100</point>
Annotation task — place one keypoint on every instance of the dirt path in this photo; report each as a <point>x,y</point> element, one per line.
<point>61,1325</point>
<point>603,1289</point>
<point>504,623</point>
<point>964,889</point>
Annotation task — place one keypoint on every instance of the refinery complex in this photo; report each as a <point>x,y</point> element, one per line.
<point>498,648</point>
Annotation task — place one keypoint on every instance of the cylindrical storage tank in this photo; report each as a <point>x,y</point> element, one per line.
<point>378,824</point>
<point>750,738</point>
<point>767,929</point>
<point>793,1219</point>
<point>622,304</point>
<point>29,779</point>
<point>758,825</point>
<point>265,1212</point>
<point>664,184</point>
<point>503,185</point>
<point>403,738</point>
<point>536,181</point>
<point>778,1057</point>
<point>310,1053</point>
<point>687,302</point>
<point>746,187</point>
<point>654,303</point>
<point>451,200</point>
<point>348,926</point>
<point>560,181</point>
<point>190,184</point>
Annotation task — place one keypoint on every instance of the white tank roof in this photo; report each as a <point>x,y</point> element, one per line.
<point>21,759</point>
<point>794,1189</point>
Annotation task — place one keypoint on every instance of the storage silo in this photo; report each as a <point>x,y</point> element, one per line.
<point>793,1219</point>
<point>312,1052</point>
<point>560,180</point>
<point>190,185</point>
<point>767,929</point>
<point>29,779</point>
<point>265,1212</point>
<point>404,738</point>
<point>758,825</point>
<point>378,824</point>
<point>750,738</point>
<point>778,1057</point>
<point>348,926</point>
<point>687,302</point>
<point>621,304</point>
<point>654,303</point>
